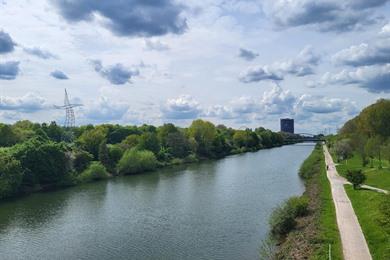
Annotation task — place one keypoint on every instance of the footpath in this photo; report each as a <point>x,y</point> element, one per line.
<point>353,242</point>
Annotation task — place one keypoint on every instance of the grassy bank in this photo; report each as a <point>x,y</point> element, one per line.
<point>314,232</point>
<point>368,205</point>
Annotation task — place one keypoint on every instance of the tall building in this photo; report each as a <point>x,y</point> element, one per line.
<point>287,125</point>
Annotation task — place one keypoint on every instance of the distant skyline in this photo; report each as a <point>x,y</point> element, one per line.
<point>239,63</point>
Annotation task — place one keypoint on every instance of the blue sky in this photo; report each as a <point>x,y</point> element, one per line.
<point>240,63</point>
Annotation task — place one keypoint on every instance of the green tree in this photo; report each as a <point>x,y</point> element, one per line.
<point>178,144</point>
<point>343,149</point>
<point>136,161</point>
<point>81,160</point>
<point>149,141</point>
<point>91,139</point>
<point>204,134</point>
<point>44,163</point>
<point>373,149</point>
<point>130,142</point>
<point>356,177</point>
<point>11,175</point>
<point>7,136</point>
<point>104,156</point>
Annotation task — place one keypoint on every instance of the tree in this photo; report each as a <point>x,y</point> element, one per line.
<point>130,142</point>
<point>204,134</point>
<point>44,163</point>
<point>343,149</point>
<point>81,160</point>
<point>136,161</point>
<point>11,175</point>
<point>163,132</point>
<point>91,139</point>
<point>356,177</point>
<point>7,136</point>
<point>149,141</point>
<point>373,149</point>
<point>104,157</point>
<point>96,171</point>
<point>178,145</point>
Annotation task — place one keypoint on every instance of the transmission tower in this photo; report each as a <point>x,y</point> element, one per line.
<point>70,117</point>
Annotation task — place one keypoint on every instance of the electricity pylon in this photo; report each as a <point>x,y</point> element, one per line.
<point>70,120</point>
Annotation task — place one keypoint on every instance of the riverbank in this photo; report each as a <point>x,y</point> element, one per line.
<point>371,208</point>
<point>315,233</point>
<point>216,209</point>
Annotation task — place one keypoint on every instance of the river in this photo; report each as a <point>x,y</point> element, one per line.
<point>211,210</point>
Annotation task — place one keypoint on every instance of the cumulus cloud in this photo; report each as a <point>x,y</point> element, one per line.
<point>6,43</point>
<point>59,75</point>
<point>302,65</point>
<point>128,17</point>
<point>183,107</point>
<point>9,70</point>
<point>28,103</point>
<point>259,73</point>
<point>375,79</point>
<point>116,74</point>
<point>155,45</point>
<point>323,15</point>
<point>40,53</point>
<point>278,101</point>
<point>385,32</point>
<point>247,54</point>
<point>105,109</point>
<point>364,55</point>
<point>324,105</point>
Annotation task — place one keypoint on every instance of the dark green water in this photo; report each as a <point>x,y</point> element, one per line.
<point>212,210</point>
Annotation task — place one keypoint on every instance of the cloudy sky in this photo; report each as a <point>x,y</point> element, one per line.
<point>241,63</point>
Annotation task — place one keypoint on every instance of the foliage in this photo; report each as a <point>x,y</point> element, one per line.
<point>96,171</point>
<point>91,139</point>
<point>312,164</point>
<point>43,162</point>
<point>7,136</point>
<point>11,175</point>
<point>356,177</point>
<point>81,160</point>
<point>136,161</point>
<point>342,149</point>
<point>149,141</point>
<point>203,133</point>
<point>104,156</point>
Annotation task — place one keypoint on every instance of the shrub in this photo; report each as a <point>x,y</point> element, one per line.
<point>81,160</point>
<point>356,177</point>
<point>282,220</point>
<point>311,165</point>
<point>299,206</point>
<point>96,171</point>
<point>136,161</point>
<point>11,175</point>
<point>191,158</point>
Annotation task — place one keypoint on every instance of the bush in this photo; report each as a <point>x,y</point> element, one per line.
<point>96,171</point>
<point>299,206</point>
<point>356,177</point>
<point>191,158</point>
<point>135,161</point>
<point>282,220</point>
<point>11,175</point>
<point>311,165</point>
<point>81,160</point>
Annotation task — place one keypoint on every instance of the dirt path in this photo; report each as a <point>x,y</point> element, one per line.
<point>353,242</point>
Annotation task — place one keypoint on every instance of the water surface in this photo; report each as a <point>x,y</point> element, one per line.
<point>212,210</point>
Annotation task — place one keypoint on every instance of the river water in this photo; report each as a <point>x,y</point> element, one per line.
<point>212,210</point>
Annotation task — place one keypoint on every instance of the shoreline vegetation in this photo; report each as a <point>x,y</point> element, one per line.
<point>362,149</point>
<point>305,227</point>
<point>39,157</point>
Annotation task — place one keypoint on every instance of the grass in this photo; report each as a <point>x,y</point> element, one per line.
<point>314,233</point>
<point>328,230</point>
<point>379,178</point>
<point>366,205</point>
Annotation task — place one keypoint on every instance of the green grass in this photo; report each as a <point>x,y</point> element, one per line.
<point>379,178</point>
<point>328,230</point>
<point>367,208</point>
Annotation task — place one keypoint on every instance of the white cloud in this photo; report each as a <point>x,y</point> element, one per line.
<point>183,107</point>
<point>28,103</point>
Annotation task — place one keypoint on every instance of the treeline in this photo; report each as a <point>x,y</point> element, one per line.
<point>368,134</point>
<point>45,156</point>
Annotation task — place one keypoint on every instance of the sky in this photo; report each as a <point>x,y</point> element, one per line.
<point>241,63</point>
